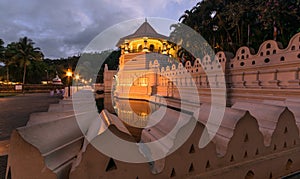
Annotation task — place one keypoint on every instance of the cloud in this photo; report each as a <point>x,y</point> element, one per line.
<point>64,27</point>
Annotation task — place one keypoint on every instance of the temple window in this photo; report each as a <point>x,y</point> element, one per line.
<point>140,48</point>
<point>151,49</point>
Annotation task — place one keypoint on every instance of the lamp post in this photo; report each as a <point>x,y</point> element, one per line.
<point>77,78</point>
<point>69,74</point>
<point>47,75</point>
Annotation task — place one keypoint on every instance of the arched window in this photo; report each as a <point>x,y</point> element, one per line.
<point>140,48</point>
<point>249,175</point>
<point>151,48</point>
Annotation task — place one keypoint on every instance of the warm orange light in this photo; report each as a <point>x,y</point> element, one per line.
<point>69,73</point>
<point>143,81</point>
<point>77,77</point>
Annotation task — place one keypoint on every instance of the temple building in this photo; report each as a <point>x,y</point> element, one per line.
<point>136,77</point>
<point>145,39</point>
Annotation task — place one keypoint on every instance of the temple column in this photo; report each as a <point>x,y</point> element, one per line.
<point>145,45</point>
<point>164,50</point>
<point>126,46</point>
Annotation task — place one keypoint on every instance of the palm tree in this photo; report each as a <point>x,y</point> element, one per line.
<point>25,52</point>
<point>8,53</point>
<point>2,49</point>
<point>2,54</point>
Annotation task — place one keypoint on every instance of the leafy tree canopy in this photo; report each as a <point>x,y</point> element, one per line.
<point>229,24</point>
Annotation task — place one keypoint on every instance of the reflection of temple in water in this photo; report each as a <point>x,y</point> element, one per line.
<point>132,112</point>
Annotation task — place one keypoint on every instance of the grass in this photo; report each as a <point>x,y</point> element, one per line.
<point>2,95</point>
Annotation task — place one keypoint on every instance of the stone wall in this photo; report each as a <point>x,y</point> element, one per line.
<point>255,140</point>
<point>257,76</point>
<point>262,142</point>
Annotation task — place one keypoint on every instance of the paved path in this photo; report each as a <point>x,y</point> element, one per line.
<point>14,113</point>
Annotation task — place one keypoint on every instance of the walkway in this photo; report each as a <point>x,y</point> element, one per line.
<point>14,113</point>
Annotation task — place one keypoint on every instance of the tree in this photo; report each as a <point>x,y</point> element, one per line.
<point>2,55</point>
<point>2,49</point>
<point>228,25</point>
<point>9,51</point>
<point>24,52</point>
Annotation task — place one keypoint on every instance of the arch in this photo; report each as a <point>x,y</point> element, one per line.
<point>294,41</point>
<point>269,46</point>
<point>173,67</point>
<point>188,64</point>
<point>191,169</point>
<point>207,166</point>
<point>246,154</point>
<point>173,173</point>
<point>180,66</point>
<point>249,175</point>
<point>111,165</point>
<point>139,48</point>
<point>192,149</point>
<point>288,164</point>
<point>197,62</point>
<point>246,139</point>
<point>151,48</point>
<point>243,53</point>
<point>257,152</point>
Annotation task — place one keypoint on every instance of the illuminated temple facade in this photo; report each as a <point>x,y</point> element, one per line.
<point>244,75</point>
<point>136,77</point>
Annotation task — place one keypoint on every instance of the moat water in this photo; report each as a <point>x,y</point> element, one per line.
<point>133,113</point>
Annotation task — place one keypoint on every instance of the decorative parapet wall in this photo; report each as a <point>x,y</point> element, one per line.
<point>255,140</point>
<point>245,146</point>
<point>269,71</point>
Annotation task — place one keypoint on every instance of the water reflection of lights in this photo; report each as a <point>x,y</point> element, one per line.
<point>143,114</point>
<point>136,113</point>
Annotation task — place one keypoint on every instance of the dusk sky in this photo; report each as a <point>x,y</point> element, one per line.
<point>63,28</point>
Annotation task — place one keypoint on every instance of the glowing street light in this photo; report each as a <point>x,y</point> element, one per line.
<point>69,75</point>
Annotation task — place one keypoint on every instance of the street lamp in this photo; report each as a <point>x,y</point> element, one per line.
<point>77,78</point>
<point>47,75</point>
<point>69,74</point>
